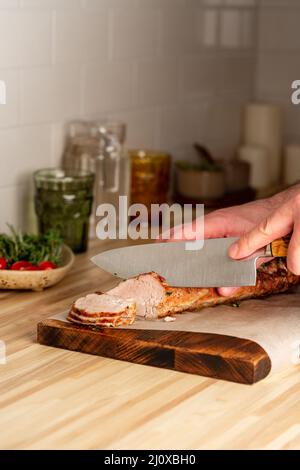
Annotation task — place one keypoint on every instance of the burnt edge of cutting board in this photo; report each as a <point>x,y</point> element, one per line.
<point>210,355</point>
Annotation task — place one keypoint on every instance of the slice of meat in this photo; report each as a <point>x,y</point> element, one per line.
<point>148,290</point>
<point>103,310</point>
<point>156,299</point>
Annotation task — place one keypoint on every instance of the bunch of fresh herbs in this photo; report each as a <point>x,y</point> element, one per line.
<point>30,247</point>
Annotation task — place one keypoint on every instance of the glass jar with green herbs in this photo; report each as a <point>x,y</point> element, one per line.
<point>63,201</point>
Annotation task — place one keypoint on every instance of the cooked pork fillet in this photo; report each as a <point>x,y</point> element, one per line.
<point>103,310</point>
<point>156,299</point>
<point>148,290</point>
<point>149,296</point>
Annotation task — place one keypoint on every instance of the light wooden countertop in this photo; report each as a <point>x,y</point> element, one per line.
<point>51,398</point>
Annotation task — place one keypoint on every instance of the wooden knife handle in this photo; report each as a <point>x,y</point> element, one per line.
<point>279,248</point>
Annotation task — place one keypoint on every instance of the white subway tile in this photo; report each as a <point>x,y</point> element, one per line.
<point>182,125</point>
<point>51,4</point>
<point>81,36</point>
<point>108,87</point>
<point>157,82</point>
<point>50,94</point>
<point>12,207</point>
<point>140,127</point>
<point>200,75</point>
<point>164,3</point>
<point>175,40</point>
<point>95,4</point>
<point>279,3</point>
<point>236,73</point>
<point>25,38</point>
<point>240,3</point>
<point>213,3</point>
<point>68,40</point>
<point>230,28</point>
<point>237,29</point>
<point>276,72</point>
<point>134,34</point>
<point>9,3</point>
<point>224,118</point>
<point>196,115</point>
<point>221,149</point>
<point>23,150</point>
<point>248,38</point>
<point>208,34</point>
<point>271,20</point>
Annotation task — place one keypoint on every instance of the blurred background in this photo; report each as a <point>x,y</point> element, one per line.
<point>199,91</point>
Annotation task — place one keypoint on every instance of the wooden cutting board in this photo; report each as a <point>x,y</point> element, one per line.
<point>211,355</point>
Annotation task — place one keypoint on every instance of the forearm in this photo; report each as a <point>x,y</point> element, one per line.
<point>280,198</point>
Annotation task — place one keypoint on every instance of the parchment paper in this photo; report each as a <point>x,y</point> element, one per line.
<point>273,323</point>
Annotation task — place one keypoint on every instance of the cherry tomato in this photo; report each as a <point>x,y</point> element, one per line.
<point>32,268</point>
<point>46,265</point>
<point>3,263</point>
<point>21,266</point>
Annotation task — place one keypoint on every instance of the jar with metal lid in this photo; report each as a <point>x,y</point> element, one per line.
<point>63,201</point>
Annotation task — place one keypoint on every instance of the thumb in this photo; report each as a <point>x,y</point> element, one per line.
<point>277,225</point>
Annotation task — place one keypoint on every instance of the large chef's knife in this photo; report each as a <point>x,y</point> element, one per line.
<point>206,267</point>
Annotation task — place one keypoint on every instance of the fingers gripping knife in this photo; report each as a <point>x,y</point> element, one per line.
<point>207,267</point>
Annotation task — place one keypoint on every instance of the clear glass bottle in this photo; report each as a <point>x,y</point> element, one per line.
<point>112,166</point>
<point>98,146</point>
<point>81,146</point>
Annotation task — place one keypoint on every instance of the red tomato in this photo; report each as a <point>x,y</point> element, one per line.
<point>32,268</point>
<point>3,263</point>
<point>21,266</point>
<point>47,265</point>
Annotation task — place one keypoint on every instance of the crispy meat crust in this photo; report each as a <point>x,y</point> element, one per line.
<point>104,319</point>
<point>272,278</point>
<point>124,319</point>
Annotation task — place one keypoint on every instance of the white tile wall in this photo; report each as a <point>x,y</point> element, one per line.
<point>175,70</point>
<point>278,58</point>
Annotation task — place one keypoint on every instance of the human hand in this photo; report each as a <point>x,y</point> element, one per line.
<point>256,224</point>
<point>283,218</point>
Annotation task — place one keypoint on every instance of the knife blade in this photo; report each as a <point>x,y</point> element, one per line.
<point>207,267</point>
